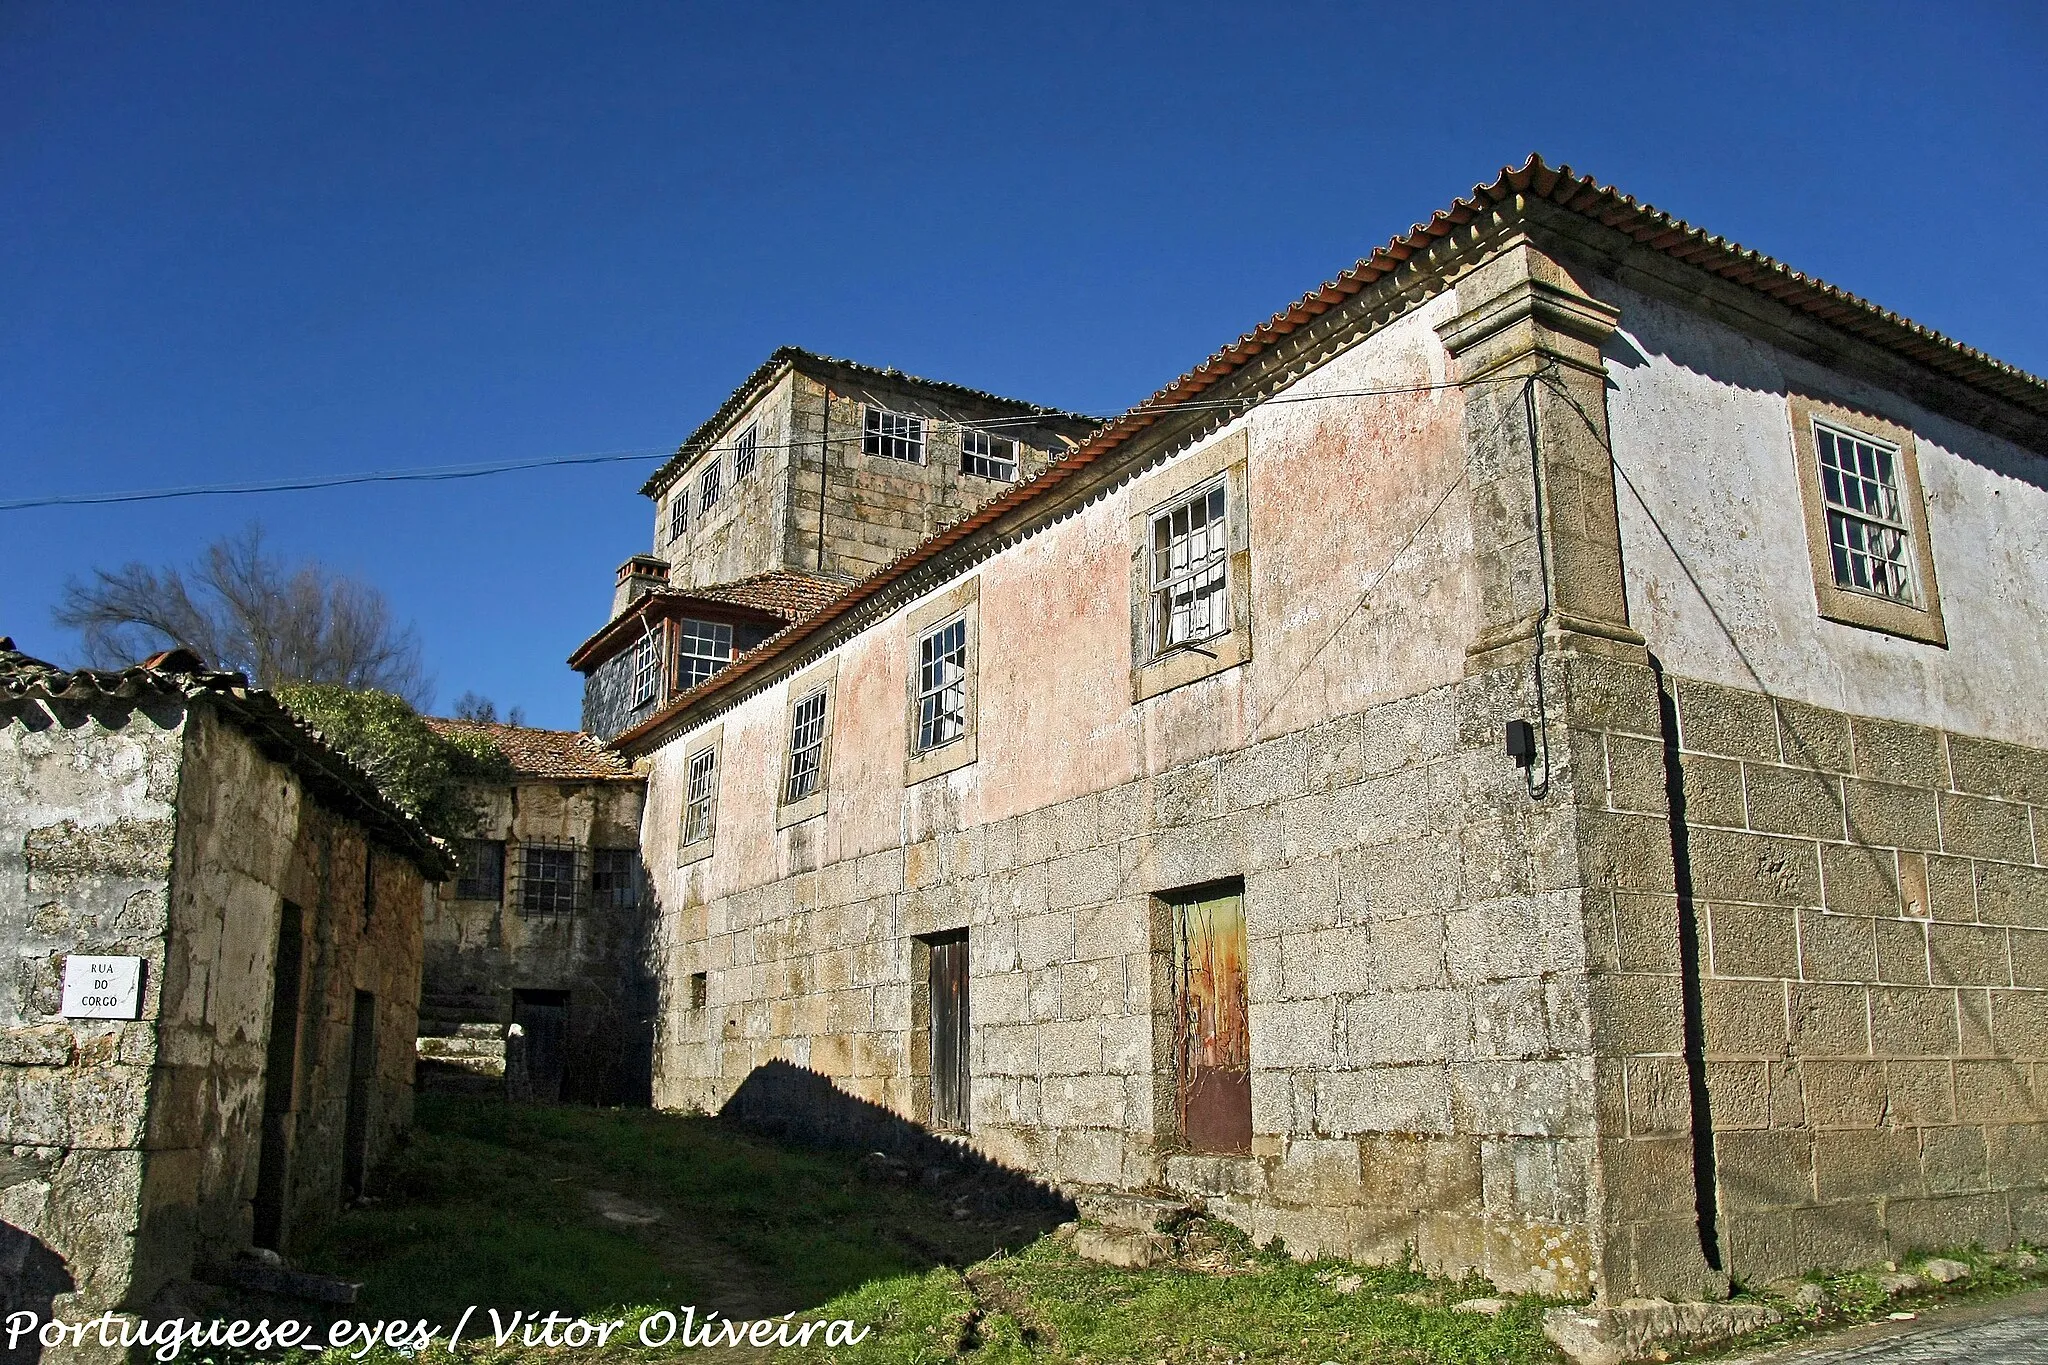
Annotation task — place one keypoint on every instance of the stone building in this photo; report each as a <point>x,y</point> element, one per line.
<point>813,473</point>
<point>262,902</point>
<point>1533,755</point>
<point>543,926</point>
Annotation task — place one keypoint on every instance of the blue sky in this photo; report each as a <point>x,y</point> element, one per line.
<point>262,241</point>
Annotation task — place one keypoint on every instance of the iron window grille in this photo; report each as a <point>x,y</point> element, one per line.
<point>703,647</point>
<point>806,747</point>
<point>679,513</point>
<point>615,880</point>
<point>482,875</point>
<point>553,879</point>
<point>700,802</point>
<point>989,457</point>
<point>892,435</point>
<point>707,485</point>
<point>646,668</point>
<point>744,452</point>
<point>1190,562</point>
<point>1868,536</point>
<point>942,685</point>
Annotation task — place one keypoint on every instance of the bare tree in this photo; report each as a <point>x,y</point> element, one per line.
<point>473,706</point>
<point>241,608</point>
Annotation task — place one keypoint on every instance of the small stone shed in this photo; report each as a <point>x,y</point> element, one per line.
<point>544,925</point>
<point>274,897</point>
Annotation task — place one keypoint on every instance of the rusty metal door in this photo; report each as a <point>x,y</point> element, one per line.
<point>950,1080</point>
<point>1211,1035</point>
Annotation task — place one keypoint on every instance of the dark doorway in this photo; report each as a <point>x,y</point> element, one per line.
<point>537,1047</point>
<point>951,1079</point>
<point>280,1079</point>
<point>362,1077</point>
<point>1211,1034</point>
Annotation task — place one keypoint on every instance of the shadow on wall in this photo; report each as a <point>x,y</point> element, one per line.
<point>796,1104</point>
<point>31,1277</point>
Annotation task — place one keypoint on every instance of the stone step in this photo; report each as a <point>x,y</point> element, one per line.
<point>1130,1212</point>
<point>1122,1247</point>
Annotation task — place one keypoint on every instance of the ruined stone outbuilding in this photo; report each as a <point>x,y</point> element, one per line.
<point>274,898</point>
<point>1533,755</point>
<point>544,926</point>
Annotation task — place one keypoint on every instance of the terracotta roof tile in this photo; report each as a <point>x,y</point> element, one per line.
<point>544,753</point>
<point>331,775</point>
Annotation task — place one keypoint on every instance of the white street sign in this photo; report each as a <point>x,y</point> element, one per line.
<point>102,987</point>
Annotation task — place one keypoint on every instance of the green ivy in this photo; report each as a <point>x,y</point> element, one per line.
<point>426,773</point>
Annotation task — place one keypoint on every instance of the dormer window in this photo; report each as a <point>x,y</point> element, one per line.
<point>703,648</point>
<point>646,667</point>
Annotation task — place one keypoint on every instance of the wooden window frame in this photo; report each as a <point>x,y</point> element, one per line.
<point>1922,620</point>
<point>963,601</point>
<point>1155,671</point>
<point>823,678</point>
<point>712,742</point>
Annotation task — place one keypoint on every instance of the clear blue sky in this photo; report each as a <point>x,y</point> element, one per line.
<point>245,242</point>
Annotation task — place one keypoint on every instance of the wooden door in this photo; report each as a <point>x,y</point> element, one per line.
<point>1211,1035</point>
<point>537,1052</point>
<point>950,1076</point>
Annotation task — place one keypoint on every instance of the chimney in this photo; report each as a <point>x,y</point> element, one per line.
<point>638,576</point>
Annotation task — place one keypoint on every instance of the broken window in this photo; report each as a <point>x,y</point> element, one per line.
<point>1211,1028</point>
<point>942,685</point>
<point>703,648</point>
<point>482,875</point>
<point>806,747</point>
<point>1190,559</point>
<point>745,449</point>
<point>646,667</point>
<point>700,803</point>
<point>707,485</point>
<point>892,435</point>
<point>990,457</point>
<point>550,878</point>
<point>700,990</point>
<point>1868,535</point>
<point>615,878</point>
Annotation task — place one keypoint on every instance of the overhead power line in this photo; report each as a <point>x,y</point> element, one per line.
<point>445,473</point>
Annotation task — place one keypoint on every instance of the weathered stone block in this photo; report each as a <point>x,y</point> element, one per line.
<point>1919,1092</point>
<point>1753,940</point>
<point>1732,866</point>
<point>1908,1022</point>
<point>1902,952</point>
<point>1399,1027</point>
<point>2016,1154</point>
<point>1952,1160</point>
<point>1967,955</point>
<point>1996,1092</point>
<point>1844,1094</point>
<point>1726,720</point>
<point>1410,1171</point>
<point>2029,949</point>
<point>1637,1013</point>
<point>1987,767</point>
<point>1948,1221</point>
<point>1890,816</point>
<point>1659,1097</point>
<point>1811,737</point>
<point>1645,933</point>
<point>1983,828</point>
<point>1406,1099</point>
<point>1834,947</point>
<point>1739,1095</point>
<point>1827,1020</point>
<point>1858,880</point>
<point>1635,774</point>
<point>1713,791</point>
<point>1794,801</point>
<point>1891,752</point>
<point>1764,1169</point>
<point>1744,1018</point>
<point>2019,1024</point>
<point>2007,894</point>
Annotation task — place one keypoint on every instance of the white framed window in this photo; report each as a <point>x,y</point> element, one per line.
<point>1190,562</point>
<point>679,513</point>
<point>892,435</point>
<point>987,456</point>
<point>942,685</point>
<point>707,486</point>
<point>702,648</point>
<point>746,448</point>
<point>646,667</point>
<point>700,800</point>
<point>806,747</point>
<point>1870,541</point>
